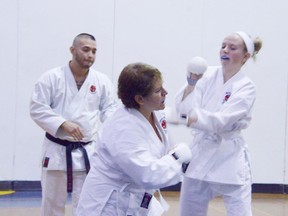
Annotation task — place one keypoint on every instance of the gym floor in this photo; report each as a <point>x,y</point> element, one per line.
<point>28,204</point>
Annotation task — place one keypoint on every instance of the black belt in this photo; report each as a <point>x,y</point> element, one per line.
<point>69,147</point>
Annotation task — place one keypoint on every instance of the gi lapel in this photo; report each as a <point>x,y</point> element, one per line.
<point>77,97</point>
<point>211,101</point>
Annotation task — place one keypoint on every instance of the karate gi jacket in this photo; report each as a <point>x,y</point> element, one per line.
<point>129,160</point>
<point>219,152</point>
<point>55,99</point>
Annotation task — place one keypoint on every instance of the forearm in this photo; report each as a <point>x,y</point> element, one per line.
<point>187,91</point>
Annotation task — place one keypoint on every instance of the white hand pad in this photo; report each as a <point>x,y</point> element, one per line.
<point>196,65</point>
<point>182,152</point>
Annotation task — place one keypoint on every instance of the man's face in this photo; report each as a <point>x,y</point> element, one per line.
<point>84,52</point>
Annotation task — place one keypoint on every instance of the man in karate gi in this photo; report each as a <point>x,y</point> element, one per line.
<point>69,103</point>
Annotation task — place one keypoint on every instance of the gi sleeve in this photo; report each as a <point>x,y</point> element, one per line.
<point>40,105</point>
<point>108,103</point>
<point>149,170</point>
<point>234,114</point>
<point>183,106</point>
<point>194,99</point>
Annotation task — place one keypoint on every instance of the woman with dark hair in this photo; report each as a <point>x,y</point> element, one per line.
<point>133,158</point>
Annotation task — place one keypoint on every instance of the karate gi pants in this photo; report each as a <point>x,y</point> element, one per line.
<point>54,191</point>
<point>195,196</point>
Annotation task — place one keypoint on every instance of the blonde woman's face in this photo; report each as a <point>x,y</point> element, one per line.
<point>232,51</point>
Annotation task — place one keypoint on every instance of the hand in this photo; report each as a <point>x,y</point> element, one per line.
<point>193,78</point>
<point>195,70</point>
<point>191,119</point>
<point>182,153</point>
<point>73,130</point>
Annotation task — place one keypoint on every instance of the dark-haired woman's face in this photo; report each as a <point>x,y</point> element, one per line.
<point>156,100</point>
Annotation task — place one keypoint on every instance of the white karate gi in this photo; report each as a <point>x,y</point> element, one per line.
<point>56,99</point>
<point>219,152</point>
<point>130,160</point>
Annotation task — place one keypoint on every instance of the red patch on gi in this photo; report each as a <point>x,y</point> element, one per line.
<point>164,124</point>
<point>92,89</point>
<point>227,96</point>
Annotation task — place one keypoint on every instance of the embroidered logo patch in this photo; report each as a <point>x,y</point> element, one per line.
<point>164,123</point>
<point>227,96</point>
<point>92,89</point>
